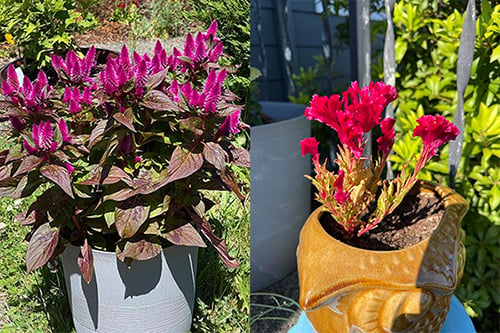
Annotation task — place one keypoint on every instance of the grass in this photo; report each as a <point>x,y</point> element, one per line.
<point>36,302</point>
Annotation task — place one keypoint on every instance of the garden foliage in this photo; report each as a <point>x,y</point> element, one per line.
<point>37,27</point>
<point>427,41</point>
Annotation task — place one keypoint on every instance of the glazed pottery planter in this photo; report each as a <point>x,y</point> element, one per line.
<point>155,295</point>
<point>347,289</point>
<point>279,192</point>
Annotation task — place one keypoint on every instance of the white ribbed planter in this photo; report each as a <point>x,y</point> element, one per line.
<point>155,295</point>
<point>280,195</point>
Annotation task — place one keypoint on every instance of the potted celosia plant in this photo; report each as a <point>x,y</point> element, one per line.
<point>378,255</point>
<point>121,158</point>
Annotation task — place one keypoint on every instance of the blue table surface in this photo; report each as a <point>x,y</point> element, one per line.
<point>457,321</point>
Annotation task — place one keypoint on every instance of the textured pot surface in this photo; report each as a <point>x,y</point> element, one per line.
<point>279,192</point>
<point>155,295</point>
<point>347,289</point>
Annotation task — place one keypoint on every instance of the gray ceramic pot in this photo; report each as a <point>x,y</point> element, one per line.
<point>280,194</point>
<point>155,295</point>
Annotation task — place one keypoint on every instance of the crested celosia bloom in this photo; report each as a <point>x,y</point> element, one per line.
<point>310,146</point>
<point>357,112</point>
<point>347,194</point>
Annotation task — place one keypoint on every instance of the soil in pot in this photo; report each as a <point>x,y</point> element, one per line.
<point>413,221</point>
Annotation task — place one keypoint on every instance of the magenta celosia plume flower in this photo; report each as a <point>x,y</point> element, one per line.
<point>230,124</point>
<point>348,194</point>
<point>73,70</point>
<point>31,97</point>
<point>43,139</point>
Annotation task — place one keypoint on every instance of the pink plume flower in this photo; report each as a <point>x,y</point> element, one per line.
<point>63,128</point>
<point>386,141</point>
<point>43,139</point>
<point>32,97</point>
<point>310,146</point>
<point>69,167</point>
<point>72,69</point>
<point>230,124</point>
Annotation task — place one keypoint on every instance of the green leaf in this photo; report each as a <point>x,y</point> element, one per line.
<point>495,55</point>
<point>41,246</point>
<point>60,176</point>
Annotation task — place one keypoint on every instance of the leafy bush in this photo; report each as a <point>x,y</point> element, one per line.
<point>38,26</point>
<point>427,41</point>
<point>159,19</point>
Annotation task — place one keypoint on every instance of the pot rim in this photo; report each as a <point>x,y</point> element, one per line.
<point>68,244</point>
<point>422,184</point>
<point>283,121</point>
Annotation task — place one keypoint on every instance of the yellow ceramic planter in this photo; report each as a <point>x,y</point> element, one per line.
<point>347,289</point>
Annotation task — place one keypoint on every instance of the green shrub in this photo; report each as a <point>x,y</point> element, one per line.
<point>160,19</point>
<point>38,26</point>
<point>427,41</point>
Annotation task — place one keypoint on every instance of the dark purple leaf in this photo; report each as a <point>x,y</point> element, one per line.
<point>106,175</point>
<point>194,124</point>
<point>12,187</point>
<point>241,157</point>
<point>141,250</point>
<point>41,247</point>
<point>86,262</point>
<point>215,155</point>
<point>14,156</point>
<point>185,235</point>
<point>60,176</point>
<point>31,219</point>
<point>27,164</point>
<point>157,100</point>
<point>126,119</point>
<point>183,163</point>
<point>5,172</point>
<point>97,132</point>
<point>129,217</point>
<point>155,80</point>
<point>12,110</point>
<point>219,245</point>
<point>231,183</point>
